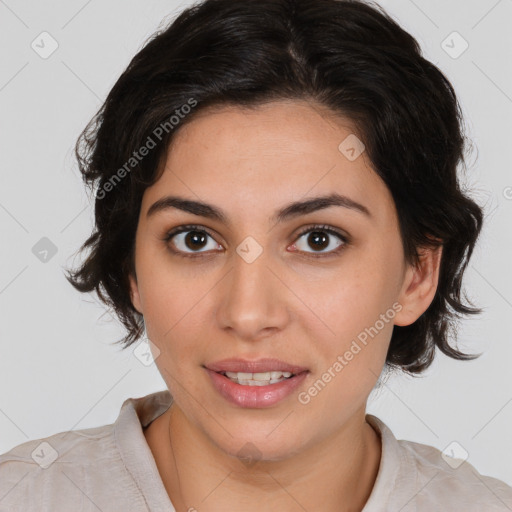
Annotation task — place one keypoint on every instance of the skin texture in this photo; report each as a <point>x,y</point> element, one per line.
<point>286,304</point>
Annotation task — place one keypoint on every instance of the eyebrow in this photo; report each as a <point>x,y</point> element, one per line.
<point>288,212</point>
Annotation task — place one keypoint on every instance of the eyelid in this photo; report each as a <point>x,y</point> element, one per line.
<point>311,228</point>
<point>324,227</point>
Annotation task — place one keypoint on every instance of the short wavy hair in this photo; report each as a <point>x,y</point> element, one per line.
<point>349,56</point>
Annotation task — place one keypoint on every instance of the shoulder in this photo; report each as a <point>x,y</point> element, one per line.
<point>59,468</point>
<point>415,477</point>
<point>451,483</point>
<point>62,446</point>
<point>109,467</point>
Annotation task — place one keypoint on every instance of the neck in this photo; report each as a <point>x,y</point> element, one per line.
<point>337,473</point>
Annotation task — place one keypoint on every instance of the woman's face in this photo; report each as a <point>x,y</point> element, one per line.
<point>258,285</point>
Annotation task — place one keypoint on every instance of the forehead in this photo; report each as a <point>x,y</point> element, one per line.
<point>260,158</point>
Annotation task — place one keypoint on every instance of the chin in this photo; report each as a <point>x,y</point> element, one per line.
<point>249,453</point>
<point>258,441</point>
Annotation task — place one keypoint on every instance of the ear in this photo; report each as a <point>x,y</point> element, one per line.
<point>134,293</point>
<point>419,286</point>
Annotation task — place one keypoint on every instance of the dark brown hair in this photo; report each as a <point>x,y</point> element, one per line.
<point>349,56</point>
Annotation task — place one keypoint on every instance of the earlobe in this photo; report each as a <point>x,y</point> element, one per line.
<point>134,293</point>
<point>419,286</point>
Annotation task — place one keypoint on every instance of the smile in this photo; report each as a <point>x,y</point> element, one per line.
<point>257,379</point>
<point>256,390</point>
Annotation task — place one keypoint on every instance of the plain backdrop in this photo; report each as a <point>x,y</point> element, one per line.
<point>59,369</point>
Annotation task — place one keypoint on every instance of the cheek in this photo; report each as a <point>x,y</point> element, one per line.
<point>354,298</point>
<point>352,353</point>
<point>356,310</point>
<point>166,298</point>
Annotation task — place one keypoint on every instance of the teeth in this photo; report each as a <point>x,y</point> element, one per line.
<point>242,376</point>
<point>262,376</point>
<point>257,379</point>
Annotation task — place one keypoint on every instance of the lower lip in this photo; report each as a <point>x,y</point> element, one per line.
<point>255,397</point>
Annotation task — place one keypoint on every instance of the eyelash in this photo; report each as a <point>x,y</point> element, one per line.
<point>317,227</point>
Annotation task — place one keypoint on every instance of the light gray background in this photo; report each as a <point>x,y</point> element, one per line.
<point>58,369</point>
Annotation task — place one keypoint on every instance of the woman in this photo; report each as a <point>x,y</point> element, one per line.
<point>278,210</point>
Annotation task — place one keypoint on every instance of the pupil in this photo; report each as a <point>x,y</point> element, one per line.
<point>319,239</point>
<point>195,237</point>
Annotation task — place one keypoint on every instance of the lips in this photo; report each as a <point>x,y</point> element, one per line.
<point>241,394</point>
<point>256,366</point>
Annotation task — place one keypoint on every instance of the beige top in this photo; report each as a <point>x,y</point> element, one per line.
<point>111,469</point>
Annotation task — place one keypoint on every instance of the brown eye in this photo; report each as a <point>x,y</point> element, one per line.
<point>321,238</point>
<point>189,240</point>
<point>195,239</point>
<point>318,239</point>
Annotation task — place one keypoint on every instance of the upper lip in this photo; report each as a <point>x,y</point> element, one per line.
<point>254,366</point>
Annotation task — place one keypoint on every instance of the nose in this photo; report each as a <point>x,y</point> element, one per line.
<point>253,302</point>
